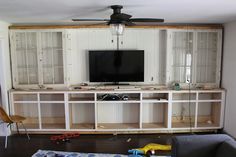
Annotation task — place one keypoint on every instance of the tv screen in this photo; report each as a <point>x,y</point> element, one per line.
<point>116,66</point>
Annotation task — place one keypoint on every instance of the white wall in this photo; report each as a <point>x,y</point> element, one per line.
<point>83,40</point>
<point>228,77</point>
<point>5,73</point>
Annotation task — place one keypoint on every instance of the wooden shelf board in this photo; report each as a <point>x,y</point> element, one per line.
<point>182,125</point>
<point>81,99</point>
<point>25,102</point>
<point>53,126</point>
<point>118,126</point>
<point>183,101</point>
<point>154,101</point>
<point>216,100</point>
<point>118,101</point>
<point>28,126</point>
<point>202,124</point>
<point>83,126</point>
<point>153,125</point>
<point>81,102</point>
<point>52,102</point>
<point>166,26</point>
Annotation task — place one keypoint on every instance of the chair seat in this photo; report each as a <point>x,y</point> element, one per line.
<point>17,118</point>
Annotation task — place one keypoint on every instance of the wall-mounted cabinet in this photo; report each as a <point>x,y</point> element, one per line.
<point>171,56</point>
<point>144,110</point>
<point>37,57</point>
<point>194,56</point>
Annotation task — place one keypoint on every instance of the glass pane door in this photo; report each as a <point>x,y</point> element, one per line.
<point>52,58</point>
<point>182,50</point>
<point>26,57</point>
<point>206,57</point>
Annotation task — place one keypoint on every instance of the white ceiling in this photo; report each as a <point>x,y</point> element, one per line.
<point>62,11</point>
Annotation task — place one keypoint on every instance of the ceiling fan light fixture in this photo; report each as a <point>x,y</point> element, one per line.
<point>117,28</point>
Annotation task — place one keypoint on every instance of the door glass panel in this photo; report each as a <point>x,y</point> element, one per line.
<point>26,57</point>
<point>206,57</point>
<point>182,56</point>
<point>52,58</point>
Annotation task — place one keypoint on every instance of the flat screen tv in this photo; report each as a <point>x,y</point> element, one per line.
<point>116,66</point>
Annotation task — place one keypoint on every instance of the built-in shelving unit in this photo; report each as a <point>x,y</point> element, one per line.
<point>144,110</point>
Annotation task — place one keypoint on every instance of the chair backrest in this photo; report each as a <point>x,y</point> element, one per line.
<point>4,117</point>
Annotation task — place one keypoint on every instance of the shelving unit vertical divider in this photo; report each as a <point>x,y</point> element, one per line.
<point>140,111</point>
<point>95,111</point>
<point>169,120</point>
<point>196,110</point>
<point>223,94</point>
<point>11,108</point>
<point>67,111</point>
<point>39,111</point>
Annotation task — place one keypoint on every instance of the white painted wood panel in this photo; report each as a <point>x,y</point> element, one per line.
<point>118,113</point>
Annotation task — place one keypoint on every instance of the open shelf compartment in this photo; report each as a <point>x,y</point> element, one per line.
<point>118,115</point>
<point>53,115</point>
<point>81,97</point>
<point>209,114</point>
<point>30,112</point>
<point>183,115</point>
<point>147,97</point>
<point>210,96</point>
<point>25,97</point>
<point>82,115</point>
<point>120,96</point>
<point>184,96</point>
<point>154,115</point>
<point>52,97</point>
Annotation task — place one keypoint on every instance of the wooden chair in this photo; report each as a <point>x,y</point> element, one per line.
<point>9,120</point>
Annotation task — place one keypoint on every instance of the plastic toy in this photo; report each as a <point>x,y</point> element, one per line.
<point>148,148</point>
<point>64,138</point>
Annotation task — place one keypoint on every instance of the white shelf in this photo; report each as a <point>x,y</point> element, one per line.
<point>30,102</point>
<point>82,102</point>
<point>81,111</point>
<point>116,102</point>
<point>154,101</point>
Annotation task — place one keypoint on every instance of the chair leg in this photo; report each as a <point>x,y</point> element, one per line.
<point>6,138</point>
<point>25,131</point>
<point>6,141</point>
<point>17,128</point>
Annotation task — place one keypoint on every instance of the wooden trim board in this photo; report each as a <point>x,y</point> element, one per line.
<point>177,26</point>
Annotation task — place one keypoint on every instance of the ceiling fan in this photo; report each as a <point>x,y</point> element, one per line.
<point>119,20</point>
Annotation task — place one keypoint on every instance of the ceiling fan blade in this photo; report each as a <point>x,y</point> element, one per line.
<point>90,20</point>
<point>146,20</point>
<point>128,23</point>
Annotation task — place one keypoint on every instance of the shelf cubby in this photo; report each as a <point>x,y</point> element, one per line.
<point>25,97</point>
<point>183,115</point>
<point>118,115</point>
<point>154,115</point>
<point>210,96</point>
<point>131,96</point>
<point>53,115</point>
<point>208,114</point>
<point>83,97</point>
<point>184,96</point>
<point>82,115</point>
<point>152,97</point>
<point>30,112</point>
<point>52,97</point>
